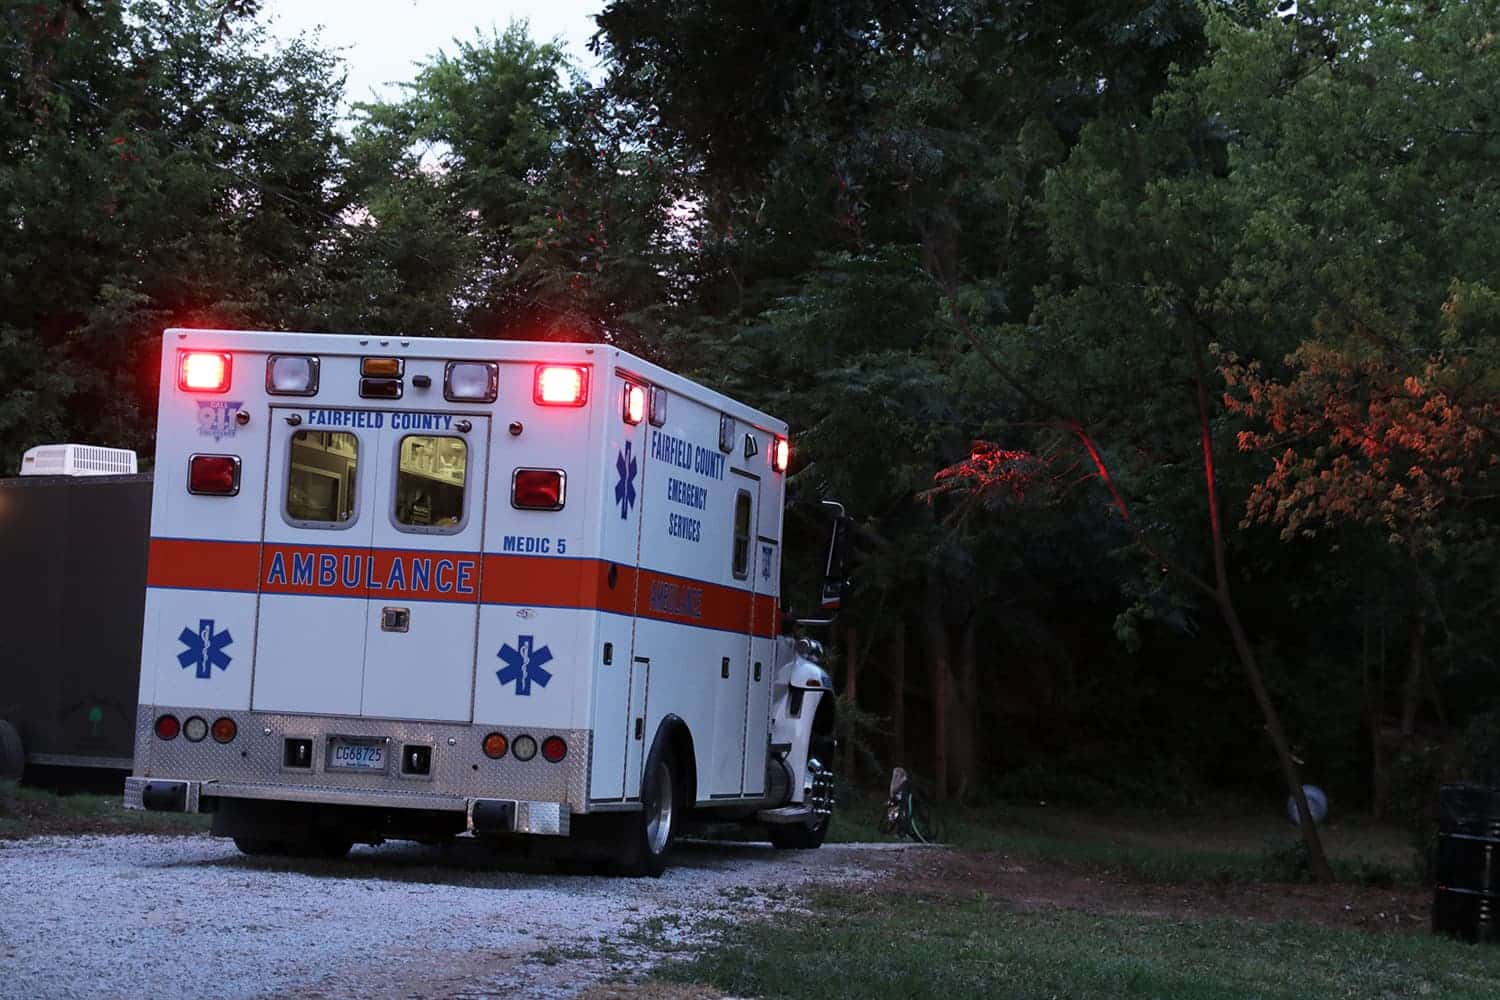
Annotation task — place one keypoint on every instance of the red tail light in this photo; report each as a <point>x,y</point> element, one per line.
<point>537,489</point>
<point>562,385</point>
<point>214,475</point>
<point>554,748</point>
<point>203,371</point>
<point>167,727</point>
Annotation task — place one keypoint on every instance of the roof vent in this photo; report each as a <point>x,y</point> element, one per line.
<point>77,460</point>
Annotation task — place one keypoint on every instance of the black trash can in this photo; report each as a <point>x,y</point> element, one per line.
<point>1466,903</point>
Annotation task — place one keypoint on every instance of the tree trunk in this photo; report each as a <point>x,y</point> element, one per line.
<point>898,695</point>
<point>851,695</point>
<point>1316,859</point>
<point>1416,664</point>
<point>942,681</point>
<point>965,711</point>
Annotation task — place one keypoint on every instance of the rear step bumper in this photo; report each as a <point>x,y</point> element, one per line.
<point>483,816</point>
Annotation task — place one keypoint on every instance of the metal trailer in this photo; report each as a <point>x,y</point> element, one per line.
<point>72,596</point>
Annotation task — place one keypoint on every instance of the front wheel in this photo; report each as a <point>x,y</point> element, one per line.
<point>799,836</point>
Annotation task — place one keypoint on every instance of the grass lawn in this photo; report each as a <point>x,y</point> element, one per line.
<point>877,943</point>
<point>32,812</point>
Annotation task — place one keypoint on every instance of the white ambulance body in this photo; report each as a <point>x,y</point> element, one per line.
<point>406,587</point>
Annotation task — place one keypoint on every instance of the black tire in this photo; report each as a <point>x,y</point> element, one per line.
<point>256,847</point>
<point>326,846</point>
<point>651,832</point>
<point>12,753</point>
<point>798,836</point>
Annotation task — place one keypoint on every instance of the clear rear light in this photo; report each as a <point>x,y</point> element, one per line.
<point>214,475</point>
<point>292,375</point>
<point>554,748</point>
<point>524,747</point>
<point>167,727</point>
<point>195,729</point>
<point>561,385</point>
<point>471,381</point>
<point>203,371</point>
<point>538,489</point>
<point>635,404</point>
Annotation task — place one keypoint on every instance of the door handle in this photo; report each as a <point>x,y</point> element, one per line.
<point>395,619</point>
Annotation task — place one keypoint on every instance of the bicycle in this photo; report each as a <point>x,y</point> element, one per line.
<point>907,813</point>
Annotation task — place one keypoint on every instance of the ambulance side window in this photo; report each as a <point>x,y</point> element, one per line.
<point>431,473</point>
<point>742,535</point>
<point>320,485</point>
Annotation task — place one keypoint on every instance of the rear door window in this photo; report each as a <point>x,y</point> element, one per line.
<point>431,479</point>
<point>320,485</point>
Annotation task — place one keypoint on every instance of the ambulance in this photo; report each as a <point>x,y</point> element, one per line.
<point>405,588</point>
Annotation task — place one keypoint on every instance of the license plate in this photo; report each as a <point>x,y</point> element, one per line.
<point>356,755</point>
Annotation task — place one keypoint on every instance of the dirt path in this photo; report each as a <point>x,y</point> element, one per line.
<point>1031,885</point>
<point>133,916</point>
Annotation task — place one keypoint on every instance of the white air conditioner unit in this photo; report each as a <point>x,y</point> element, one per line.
<point>77,460</point>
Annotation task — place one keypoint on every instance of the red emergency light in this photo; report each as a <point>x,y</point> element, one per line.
<point>537,489</point>
<point>781,454</point>
<point>561,385</point>
<point>203,371</point>
<point>635,404</point>
<point>214,475</point>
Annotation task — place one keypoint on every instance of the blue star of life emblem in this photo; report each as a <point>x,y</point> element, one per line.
<point>205,648</point>
<point>626,466</point>
<point>524,664</point>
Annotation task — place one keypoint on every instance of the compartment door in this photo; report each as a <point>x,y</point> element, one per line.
<point>765,562</point>
<point>423,612</point>
<point>315,553</point>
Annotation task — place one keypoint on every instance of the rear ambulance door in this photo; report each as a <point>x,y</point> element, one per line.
<point>764,577</point>
<point>315,547</point>
<point>734,695</point>
<point>428,526</point>
<point>619,677</point>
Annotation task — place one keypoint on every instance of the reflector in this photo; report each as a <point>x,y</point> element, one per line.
<point>214,475</point>
<point>561,385</point>
<point>554,748</point>
<point>781,454</point>
<point>292,375</point>
<point>635,404</point>
<point>471,381</point>
<point>202,371</point>
<point>537,489</point>
<point>494,746</point>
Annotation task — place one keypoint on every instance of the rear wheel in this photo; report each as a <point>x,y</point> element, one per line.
<point>652,830</point>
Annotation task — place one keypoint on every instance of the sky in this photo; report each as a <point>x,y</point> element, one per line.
<point>382,39</point>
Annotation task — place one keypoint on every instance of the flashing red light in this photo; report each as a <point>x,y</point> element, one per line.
<point>167,727</point>
<point>635,404</point>
<point>214,475</point>
<point>203,371</point>
<point>561,385</point>
<point>554,748</point>
<point>781,454</point>
<point>537,489</point>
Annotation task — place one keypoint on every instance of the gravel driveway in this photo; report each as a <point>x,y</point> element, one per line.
<point>136,915</point>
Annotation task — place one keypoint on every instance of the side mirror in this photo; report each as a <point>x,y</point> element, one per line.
<point>835,571</point>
